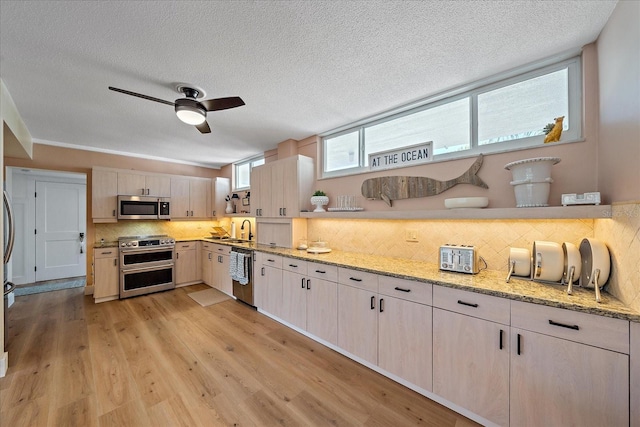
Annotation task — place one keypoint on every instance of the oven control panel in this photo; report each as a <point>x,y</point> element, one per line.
<point>459,258</point>
<point>147,241</point>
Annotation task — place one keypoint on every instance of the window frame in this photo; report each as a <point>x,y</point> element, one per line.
<point>573,64</point>
<point>249,161</point>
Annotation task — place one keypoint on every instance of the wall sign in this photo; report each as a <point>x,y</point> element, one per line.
<point>401,157</point>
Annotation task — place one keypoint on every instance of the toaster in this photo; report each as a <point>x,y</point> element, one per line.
<point>459,258</point>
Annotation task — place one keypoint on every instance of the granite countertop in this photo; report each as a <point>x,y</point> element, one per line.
<point>99,245</point>
<point>488,282</point>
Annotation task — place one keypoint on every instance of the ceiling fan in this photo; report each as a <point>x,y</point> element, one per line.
<point>189,109</point>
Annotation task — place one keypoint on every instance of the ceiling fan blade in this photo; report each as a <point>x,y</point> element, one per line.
<point>139,95</point>
<point>222,103</point>
<point>204,127</point>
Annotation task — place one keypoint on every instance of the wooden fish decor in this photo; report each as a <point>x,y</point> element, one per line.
<point>389,188</point>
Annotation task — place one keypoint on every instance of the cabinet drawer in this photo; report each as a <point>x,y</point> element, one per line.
<point>105,253</point>
<point>271,260</point>
<point>590,329</point>
<point>473,304</point>
<point>322,271</point>
<point>221,249</point>
<point>294,265</point>
<point>185,246</point>
<point>207,246</point>
<point>358,279</point>
<point>409,290</point>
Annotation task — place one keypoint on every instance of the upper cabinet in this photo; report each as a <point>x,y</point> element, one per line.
<point>104,195</point>
<point>220,187</point>
<point>190,197</point>
<point>139,184</point>
<point>282,188</point>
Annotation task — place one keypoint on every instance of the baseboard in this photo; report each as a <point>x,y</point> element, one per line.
<point>4,364</point>
<point>88,290</point>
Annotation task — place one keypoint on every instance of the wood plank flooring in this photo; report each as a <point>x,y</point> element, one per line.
<point>163,360</point>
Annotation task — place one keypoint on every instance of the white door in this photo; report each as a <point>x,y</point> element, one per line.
<point>60,230</point>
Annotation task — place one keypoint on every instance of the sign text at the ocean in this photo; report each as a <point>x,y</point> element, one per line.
<point>402,157</point>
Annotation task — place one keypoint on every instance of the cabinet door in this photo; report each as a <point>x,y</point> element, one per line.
<point>322,309</point>
<point>225,284</point>
<point>220,187</point>
<point>358,322</point>
<point>560,382</point>
<point>179,197</point>
<point>469,367</point>
<point>404,340</point>
<point>106,282</point>
<point>207,267</point>
<point>199,190</point>
<point>294,298</point>
<point>276,190</point>
<point>158,185</point>
<point>272,279</point>
<point>256,190</point>
<point>132,184</point>
<point>104,194</point>
<point>186,265</point>
<point>290,189</point>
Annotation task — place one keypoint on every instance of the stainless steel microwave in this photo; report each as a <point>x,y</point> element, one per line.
<point>143,207</point>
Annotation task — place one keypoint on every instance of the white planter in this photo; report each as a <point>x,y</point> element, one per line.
<point>319,201</point>
<point>532,180</point>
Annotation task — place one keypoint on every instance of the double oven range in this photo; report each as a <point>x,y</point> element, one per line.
<point>147,264</point>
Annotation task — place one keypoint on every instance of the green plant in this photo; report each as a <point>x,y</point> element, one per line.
<point>319,193</point>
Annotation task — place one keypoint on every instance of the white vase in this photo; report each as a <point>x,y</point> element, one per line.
<point>532,181</point>
<point>229,208</point>
<point>319,201</point>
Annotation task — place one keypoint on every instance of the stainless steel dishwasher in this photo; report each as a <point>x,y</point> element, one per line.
<point>244,292</point>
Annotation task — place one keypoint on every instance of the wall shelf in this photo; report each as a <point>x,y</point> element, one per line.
<point>551,212</point>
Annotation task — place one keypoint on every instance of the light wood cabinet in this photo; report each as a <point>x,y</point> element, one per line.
<point>220,188</point>
<point>558,379</point>
<point>207,263</point>
<point>405,330</point>
<point>106,274</point>
<point>221,279</point>
<point>358,313</point>
<point>282,188</point>
<point>140,184</point>
<point>322,301</point>
<point>268,283</point>
<point>104,195</point>
<point>190,197</point>
<point>188,270</point>
<point>634,367</point>
<point>294,292</point>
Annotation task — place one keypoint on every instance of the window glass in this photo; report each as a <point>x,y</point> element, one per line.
<point>522,110</point>
<point>447,125</point>
<point>342,152</point>
<point>243,172</point>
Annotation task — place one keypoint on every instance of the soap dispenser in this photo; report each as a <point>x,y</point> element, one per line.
<point>233,230</point>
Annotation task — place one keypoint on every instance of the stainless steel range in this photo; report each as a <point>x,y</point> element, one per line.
<point>147,264</point>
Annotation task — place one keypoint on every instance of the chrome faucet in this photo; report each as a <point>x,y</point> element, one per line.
<point>242,228</point>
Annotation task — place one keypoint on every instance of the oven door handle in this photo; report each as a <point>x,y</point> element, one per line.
<point>145,250</point>
<point>149,268</point>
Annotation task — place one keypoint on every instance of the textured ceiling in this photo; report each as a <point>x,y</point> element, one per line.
<point>302,67</point>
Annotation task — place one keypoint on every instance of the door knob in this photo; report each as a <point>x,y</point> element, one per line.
<point>81,237</point>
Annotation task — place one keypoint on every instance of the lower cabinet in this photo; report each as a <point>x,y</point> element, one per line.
<point>568,368</point>
<point>106,274</point>
<point>206,263</point>
<point>221,279</point>
<point>267,283</point>
<point>187,263</point>
<point>471,352</point>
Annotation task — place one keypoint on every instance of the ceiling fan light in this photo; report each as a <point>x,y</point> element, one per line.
<point>190,116</point>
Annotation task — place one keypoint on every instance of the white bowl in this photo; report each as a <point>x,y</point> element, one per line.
<point>535,170</point>
<point>466,202</point>
<point>532,195</point>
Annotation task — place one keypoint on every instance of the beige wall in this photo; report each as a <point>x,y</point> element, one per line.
<point>49,157</point>
<point>619,130</point>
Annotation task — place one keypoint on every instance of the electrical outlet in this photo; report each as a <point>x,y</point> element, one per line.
<point>411,235</point>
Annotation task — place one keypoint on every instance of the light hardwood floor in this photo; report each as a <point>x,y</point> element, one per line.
<point>163,360</point>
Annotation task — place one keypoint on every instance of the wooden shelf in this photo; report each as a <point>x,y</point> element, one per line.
<point>551,212</point>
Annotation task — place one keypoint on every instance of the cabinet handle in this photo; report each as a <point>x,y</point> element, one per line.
<point>402,289</point>
<point>308,282</point>
<point>468,304</point>
<point>518,343</point>
<point>302,282</point>
<point>105,253</point>
<point>147,191</point>
<point>355,279</point>
<point>293,266</point>
<point>114,213</point>
<point>320,271</point>
<point>191,213</point>
<point>115,261</point>
<point>271,260</point>
<point>142,191</point>
<point>501,334</point>
<point>177,255</point>
<point>262,271</point>
<point>210,255</point>
<point>220,249</point>
<point>284,210</point>
<point>563,325</point>
<point>220,259</point>
<point>373,303</point>
<point>187,213</point>
<point>381,305</point>
<point>214,213</point>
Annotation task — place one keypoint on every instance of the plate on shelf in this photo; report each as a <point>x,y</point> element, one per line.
<point>466,202</point>
<point>318,250</point>
<point>344,209</point>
